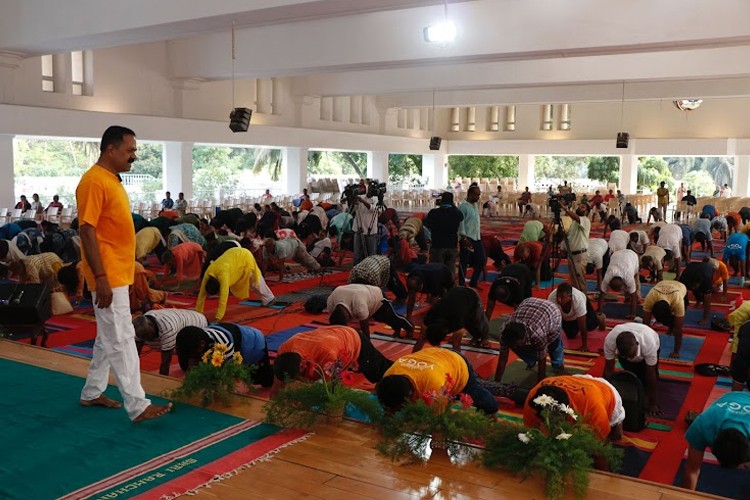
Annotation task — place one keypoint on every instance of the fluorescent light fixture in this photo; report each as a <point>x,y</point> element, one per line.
<point>441,33</point>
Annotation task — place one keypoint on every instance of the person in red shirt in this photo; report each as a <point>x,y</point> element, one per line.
<point>531,253</point>
<point>524,200</point>
<point>734,222</point>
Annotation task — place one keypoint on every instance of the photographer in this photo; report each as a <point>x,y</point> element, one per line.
<point>365,226</point>
<point>578,241</point>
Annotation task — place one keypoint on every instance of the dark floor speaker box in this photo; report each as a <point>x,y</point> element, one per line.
<point>24,304</point>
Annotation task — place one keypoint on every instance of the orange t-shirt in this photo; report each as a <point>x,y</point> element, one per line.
<point>736,217</point>
<point>721,274</point>
<point>324,345</point>
<point>103,203</point>
<point>593,400</point>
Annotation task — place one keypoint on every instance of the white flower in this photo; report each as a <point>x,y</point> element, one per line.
<point>568,410</point>
<point>544,400</point>
<point>524,438</point>
<point>563,436</point>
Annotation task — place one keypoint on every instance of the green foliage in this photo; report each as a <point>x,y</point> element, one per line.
<point>404,167</point>
<point>560,167</point>
<point>653,170</point>
<point>700,183</point>
<point>482,166</point>
<point>268,159</point>
<point>566,449</point>
<point>209,179</point>
<point>150,160</point>
<point>337,163</point>
<point>604,168</point>
<point>214,378</point>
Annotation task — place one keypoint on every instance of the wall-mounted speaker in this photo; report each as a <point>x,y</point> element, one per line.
<point>622,140</point>
<point>435,143</point>
<point>239,119</point>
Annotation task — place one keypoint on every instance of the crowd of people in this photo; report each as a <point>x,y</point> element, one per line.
<point>443,255</point>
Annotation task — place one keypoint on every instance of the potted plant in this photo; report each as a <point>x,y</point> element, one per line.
<point>561,449</point>
<point>299,404</point>
<point>215,377</point>
<point>445,421</point>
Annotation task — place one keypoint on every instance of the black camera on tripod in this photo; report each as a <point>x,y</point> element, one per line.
<point>376,190</point>
<point>556,201</point>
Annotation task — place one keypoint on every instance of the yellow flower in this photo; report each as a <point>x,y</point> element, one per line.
<point>217,359</point>
<point>216,362</point>
<point>220,348</point>
<point>206,356</point>
<point>237,358</point>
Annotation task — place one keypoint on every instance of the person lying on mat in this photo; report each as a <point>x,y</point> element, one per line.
<point>364,302</point>
<point>666,303</point>
<point>304,355</point>
<point>234,271</point>
<point>578,314</point>
<point>653,261</point>
<point>532,332</point>
<point>636,347</point>
<point>511,287</point>
<point>433,279</point>
<point>721,276</point>
<point>460,309</point>
<point>740,365</point>
<point>669,237</point>
<point>158,329</point>
<point>415,374</point>
<point>532,254</point>
<point>193,342</point>
<point>594,399</point>
<point>288,248</point>
<point>598,259</point>
<point>376,270</point>
<point>638,241</point>
<point>185,261</point>
<point>725,427</point>
<point>703,235</point>
<point>737,253</point>
<point>698,277</point>
<point>622,276</point>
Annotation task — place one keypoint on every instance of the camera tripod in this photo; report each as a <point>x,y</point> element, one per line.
<point>557,235</point>
<point>361,234</point>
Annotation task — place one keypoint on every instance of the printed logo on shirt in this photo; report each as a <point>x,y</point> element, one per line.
<point>735,408</point>
<point>413,364</point>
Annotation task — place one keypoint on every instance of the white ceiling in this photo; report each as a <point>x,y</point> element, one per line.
<point>507,51</point>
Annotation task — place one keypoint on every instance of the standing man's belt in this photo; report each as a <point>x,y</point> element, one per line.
<point>579,252</point>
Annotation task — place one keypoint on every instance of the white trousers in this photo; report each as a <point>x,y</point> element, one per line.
<point>266,295</point>
<point>114,348</point>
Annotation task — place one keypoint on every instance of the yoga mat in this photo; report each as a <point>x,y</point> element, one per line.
<point>636,453</point>
<point>257,303</point>
<point>736,281</point>
<point>54,447</point>
<point>516,373</point>
<point>83,349</point>
<point>670,394</point>
<point>691,346</point>
<point>302,295</point>
<point>274,340</point>
<point>716,480</point>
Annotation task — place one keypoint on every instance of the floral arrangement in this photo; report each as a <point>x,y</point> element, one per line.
<point>446,421</point>
<point>215,377</point>
<point>299,404</point>
<point>562,448</point>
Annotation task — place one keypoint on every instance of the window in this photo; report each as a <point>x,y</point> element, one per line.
<point>76,72</point>
<point>48,74</point>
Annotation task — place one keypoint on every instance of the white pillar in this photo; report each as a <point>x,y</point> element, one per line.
<point>526,172</point>
<point>435,170</point>
<point>294,164</point>
<point>628,174</point>
<point>7,172</point>
<point>177,165</point>
<point>741,184</point>
<point>377,165</point>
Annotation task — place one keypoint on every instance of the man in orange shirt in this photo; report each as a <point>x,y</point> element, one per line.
<point>595,401</point>
<point>108,264</point>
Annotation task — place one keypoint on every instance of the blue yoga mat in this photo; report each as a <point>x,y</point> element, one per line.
<point>736,280</point>
<point>714,479</point>
<point>691,346</point>
<point>274,340</point>
<point>257,303</point>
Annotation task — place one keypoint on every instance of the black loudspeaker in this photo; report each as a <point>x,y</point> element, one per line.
<point>435,143</point>
<point>622,140</point>
<point>24,304</point>
<point>239,119</point>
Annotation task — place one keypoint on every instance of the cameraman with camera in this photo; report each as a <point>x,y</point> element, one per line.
<point>365,224</point>
<point>578,243</point>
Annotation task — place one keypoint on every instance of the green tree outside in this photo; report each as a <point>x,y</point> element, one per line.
<point>652,171</point>
<point>699,182</point>
<point>402,168</point>
<point>482,166</point>
<point>604,168</point>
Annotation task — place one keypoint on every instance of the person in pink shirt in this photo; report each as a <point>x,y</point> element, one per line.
<point>185,260</point>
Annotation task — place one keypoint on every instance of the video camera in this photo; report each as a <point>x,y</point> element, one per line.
<point>373,189</point>
<point>376,189</point>
<point>556,201</point>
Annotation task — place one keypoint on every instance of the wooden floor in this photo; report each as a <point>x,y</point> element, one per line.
<point>341,463</point>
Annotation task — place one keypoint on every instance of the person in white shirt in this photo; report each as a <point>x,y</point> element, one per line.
<point>618,240</point>
<point>636,347</point>
<point>362,302</point>
<point>578,239</point>
<point>578,315</point>
<point>669,238</point>
<point>638,241</point>
<point>622,276</point>
<point>365,228</point>
<point>598,259</point>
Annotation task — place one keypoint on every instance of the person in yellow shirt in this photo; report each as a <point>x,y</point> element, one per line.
<point>415,374</point>
<point>737,318</point>
<point>666,303</point>
<point>663,199</point>
<point>147,240</point>
<point>235,271</point>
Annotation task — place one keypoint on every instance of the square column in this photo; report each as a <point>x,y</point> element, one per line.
<point>178,169</point>
<point>526,172</point>
<point>628,174</point>
<point>741,184</point>
<point>7,172</point>
<point>435,170</point>
<point>377,165</point>
<point>294,164</point>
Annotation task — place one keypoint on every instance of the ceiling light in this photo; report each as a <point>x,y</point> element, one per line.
<point>688,104</point>
<point>441,33</point>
